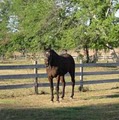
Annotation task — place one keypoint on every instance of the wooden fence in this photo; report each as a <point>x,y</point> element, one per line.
<point>37,75</point>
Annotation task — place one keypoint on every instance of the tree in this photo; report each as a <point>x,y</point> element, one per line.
<point>32,19</point>
<point>96,27</point>
<point>60,23</point>
<point>4,34</point>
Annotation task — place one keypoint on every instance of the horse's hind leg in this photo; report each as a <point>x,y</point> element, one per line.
<point>63,86</point>
<point>72,74</point>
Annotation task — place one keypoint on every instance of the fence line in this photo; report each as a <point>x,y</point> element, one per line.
<point>82,65</point>
<point>36,75</point>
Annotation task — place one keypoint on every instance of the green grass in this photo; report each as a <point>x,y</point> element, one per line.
<point>97,112</point>
<point>23,104</point>
<point>99,102</point>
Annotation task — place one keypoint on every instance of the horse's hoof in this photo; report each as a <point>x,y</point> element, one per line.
<point>52,101</point>
<point>62,98</point>
<point>71,97</point>
<point>58,101</point>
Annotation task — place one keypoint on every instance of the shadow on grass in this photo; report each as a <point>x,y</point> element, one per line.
<point>113,96</point>
<point>95,112</point>
<point>102,97</point>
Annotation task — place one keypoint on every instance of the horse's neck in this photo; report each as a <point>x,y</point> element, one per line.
<point>55,59</point>
<point>55,55</point>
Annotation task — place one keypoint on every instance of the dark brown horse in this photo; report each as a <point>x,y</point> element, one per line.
<point>56,67</point>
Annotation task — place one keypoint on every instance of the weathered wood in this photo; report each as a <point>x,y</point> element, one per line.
<point>36,78</point>
<point>26,76</point>
<point>32,85</point>
<point>99,65</point>
<point>44,75</point>
<point>18,76</point>
<point>48,84</point>
<point>101,73</point>
<point>81,76</point>
<point>100,81</point>
<point>16,86</point>
<point>13,67</point>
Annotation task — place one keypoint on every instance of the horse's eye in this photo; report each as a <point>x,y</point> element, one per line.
<point>47,53</point>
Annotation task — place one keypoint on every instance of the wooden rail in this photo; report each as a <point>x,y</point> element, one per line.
<point>37,75</point>
<point>82,82</point>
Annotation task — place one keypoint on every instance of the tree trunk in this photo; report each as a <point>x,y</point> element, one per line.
<point>87,54</point>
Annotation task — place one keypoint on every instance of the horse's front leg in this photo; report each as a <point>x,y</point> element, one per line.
<point>51,88</point>
<point>57,87</point>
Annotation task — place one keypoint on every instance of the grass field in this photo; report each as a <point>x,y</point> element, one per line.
<point>99,102</point>
<point>91,105</point>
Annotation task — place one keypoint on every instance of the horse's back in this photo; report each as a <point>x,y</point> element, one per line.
<point>68,58</point>
<point>68,62</point>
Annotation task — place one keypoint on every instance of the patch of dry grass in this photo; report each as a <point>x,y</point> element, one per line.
<point>92,105</point>
<point>27,98</point>
<point>99,102</point>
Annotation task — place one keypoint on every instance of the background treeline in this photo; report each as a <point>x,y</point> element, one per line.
<point>27,26</point>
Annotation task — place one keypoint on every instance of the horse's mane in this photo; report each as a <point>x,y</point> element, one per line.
<point>54,54</point>
<point>54,57</point>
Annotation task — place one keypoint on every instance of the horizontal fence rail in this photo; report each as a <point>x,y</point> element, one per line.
<point>82,65</point>
<point>25,76</point>
<point>13,67</point>
<point>37,75</point>
<point>98,64</point>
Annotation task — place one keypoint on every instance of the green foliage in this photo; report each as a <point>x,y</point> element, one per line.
<point>75,23</point>
<point>101,28</point>
<point>32,16</point>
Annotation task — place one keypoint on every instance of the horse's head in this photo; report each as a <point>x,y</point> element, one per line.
<point>50,56</point>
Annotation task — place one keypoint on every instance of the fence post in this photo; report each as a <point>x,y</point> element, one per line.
<point>36,78</point>
<point>81,76</point>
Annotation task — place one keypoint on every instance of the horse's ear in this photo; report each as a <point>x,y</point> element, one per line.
<point>49,47</point>
<point>44,48</point>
